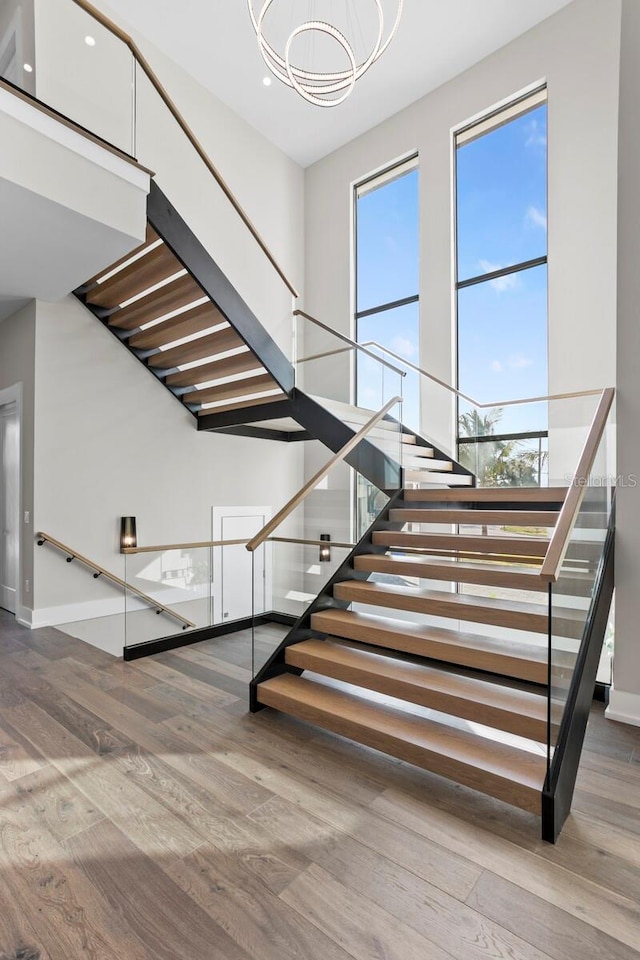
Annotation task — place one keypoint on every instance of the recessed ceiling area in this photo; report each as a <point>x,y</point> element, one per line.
<point>437,39</point>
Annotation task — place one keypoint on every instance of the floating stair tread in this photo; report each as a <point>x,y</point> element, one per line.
<point>241,404</point>
<point>529,547</point>
<point>506,518</point>
<point>497,769</point>
<point>184,325</point>
<point>424,476</point>
<point>509,658</point>
<point>154,267</point>
<point>411,462</point>
<point>207,346</point>
<point>494,495</point>
<point>227,391</point>
<point>216,370</point>
<point>437,603</point>
<point>360,415</point>
<point>150,238</point>
<point>485,574</point>
<point>172,296</point>
<point>491,704</point>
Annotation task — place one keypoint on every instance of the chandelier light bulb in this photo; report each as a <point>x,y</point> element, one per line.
<point>321,88</point>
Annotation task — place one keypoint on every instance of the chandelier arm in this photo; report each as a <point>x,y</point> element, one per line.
<point>314,86</point>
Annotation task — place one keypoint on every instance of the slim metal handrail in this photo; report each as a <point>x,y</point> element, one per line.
<point>311,484</point>
<point>144,64</point>
<point>352,345</point>
<point>99,571</point>
<point>559,542</point>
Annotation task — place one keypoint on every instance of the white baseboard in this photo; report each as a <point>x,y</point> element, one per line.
<point>624,707</point>
<point>24,617</point>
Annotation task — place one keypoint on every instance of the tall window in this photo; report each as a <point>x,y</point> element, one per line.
<point>501,199</point>
<point>387,283</point>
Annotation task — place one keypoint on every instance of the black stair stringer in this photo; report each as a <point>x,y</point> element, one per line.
<point>179,237</point>
<point>301,630</point>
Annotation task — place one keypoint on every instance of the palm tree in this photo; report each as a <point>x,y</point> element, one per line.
<point>501,463</point>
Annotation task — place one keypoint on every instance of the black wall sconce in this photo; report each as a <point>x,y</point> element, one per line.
<point>128,533</point>
<point>325,549</point>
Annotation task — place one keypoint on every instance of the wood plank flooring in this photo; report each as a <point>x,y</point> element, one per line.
<point>145,815</point>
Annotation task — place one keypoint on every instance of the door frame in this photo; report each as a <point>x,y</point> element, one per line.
<point>8,396</point>
<point>217,515</point>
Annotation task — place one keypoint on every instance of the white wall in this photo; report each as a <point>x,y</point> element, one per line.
<point>110,441</point>
<point>17,345</point>
<point>576,52</point>
<point>625,696</point>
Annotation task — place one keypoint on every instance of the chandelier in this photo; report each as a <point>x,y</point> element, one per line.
<point>324,88</point>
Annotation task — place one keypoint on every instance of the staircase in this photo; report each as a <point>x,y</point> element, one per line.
<point>431,643</point>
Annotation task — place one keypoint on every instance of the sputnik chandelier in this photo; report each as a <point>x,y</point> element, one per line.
<point>322,88</point>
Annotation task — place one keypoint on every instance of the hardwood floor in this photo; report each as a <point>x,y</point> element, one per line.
<point>145,815</point>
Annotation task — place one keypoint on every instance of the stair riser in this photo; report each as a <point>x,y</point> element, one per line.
<point>516,794</point>
<point>456,706</point>
<point>501,664</point>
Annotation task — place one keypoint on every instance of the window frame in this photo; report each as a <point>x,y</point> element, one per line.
<point>484,124</point>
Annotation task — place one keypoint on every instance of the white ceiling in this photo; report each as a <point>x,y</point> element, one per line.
<point>437,39</point>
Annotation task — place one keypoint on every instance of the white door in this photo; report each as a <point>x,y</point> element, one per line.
<point>9,505</point>
<point>238,569</point>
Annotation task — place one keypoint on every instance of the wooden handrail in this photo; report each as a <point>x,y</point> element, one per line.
<point>550,570</point>
<point>231,543</point>
<point>100,571</point>
<point>188,132</point>
<point>304,491</point>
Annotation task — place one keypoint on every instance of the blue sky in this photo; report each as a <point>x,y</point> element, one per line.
<point>501,220</point>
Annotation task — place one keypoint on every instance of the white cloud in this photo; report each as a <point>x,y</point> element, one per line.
<point>536,137</point>
<point>536,217</point>
<point>403,346</point>
<point>496,366</point>
<point>500,284</point>
<point>518,361</point>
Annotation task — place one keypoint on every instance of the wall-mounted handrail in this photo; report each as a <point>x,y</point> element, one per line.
<point>311,484</point>
<point>559,542</point>
<point>352,345</point>
<point>99,571</point>
<point>188,132</point>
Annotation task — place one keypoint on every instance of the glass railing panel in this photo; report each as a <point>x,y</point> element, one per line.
<point>83,71</point>
<point>571,596</point>
<point>179,579</point>
<point>17,44</point>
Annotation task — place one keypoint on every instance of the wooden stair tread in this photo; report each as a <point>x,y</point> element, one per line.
<point>413,475</point>
<point>217,369</point>
<point>506,518</point>
<point>427,568</point>
<point>509,546</point>
<point>227,391</point>
<point>509,658</point>
<point>502,771</point>
<point>154,267</point>
<point>495,495</point>
<point>436,603</point>
<point>491,704</point>
<point>207,346</point>
<point>424,463</point>
<point>184,325</point>
<point>241,404</point>
<point>171,296</point>
<point>150,238</point>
